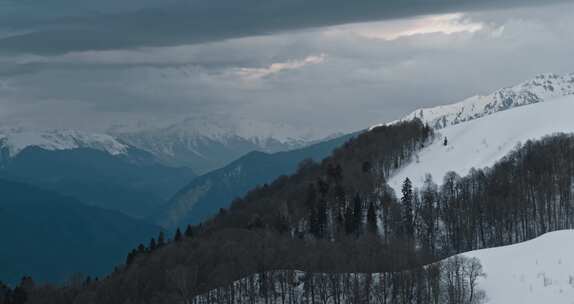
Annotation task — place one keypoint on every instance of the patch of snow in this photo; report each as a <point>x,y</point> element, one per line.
<point>533,272</point>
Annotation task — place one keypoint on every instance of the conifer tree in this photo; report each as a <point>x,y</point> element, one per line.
<point>407,206</point>
<point>152,245</point>
<point>141,249</point>
<point>189,231</point>
<point>177,236</point>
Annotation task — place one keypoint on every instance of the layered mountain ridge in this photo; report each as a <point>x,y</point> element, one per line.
<point>205,144</point>
<point>542,88</point>
<point>14,140</point>
<point>200,143</point>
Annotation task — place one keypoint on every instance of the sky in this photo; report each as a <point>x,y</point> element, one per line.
<point>320,66</point>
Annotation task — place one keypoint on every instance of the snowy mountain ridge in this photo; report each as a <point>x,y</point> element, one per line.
<point>207,143</point>
<point>221,129</point>
<point>542,88</point>
<point>199,142</point>
<point>15,139</point>
<point>481,142</point>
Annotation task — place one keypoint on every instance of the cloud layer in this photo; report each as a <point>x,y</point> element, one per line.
<point>328,79</point>
<point>62,26</point>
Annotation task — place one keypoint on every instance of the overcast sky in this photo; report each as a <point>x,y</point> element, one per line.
<point>326,66</point>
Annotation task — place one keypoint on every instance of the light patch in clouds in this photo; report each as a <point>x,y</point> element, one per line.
<point>259,73</point>
<point>391,30</point>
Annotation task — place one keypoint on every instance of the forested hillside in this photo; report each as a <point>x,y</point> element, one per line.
<point>205,195</point>
<point>338,218</point>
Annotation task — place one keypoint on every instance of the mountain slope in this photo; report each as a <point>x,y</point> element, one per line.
<point>50,236</point>
<point>97,169</point>
<point>205,195</point>
<point>132,183</point>
<point>533,272</point>
<point>481,142</point>
<point>542,88</point>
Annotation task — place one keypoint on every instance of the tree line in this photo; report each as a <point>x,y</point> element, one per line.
<point>453,281</point>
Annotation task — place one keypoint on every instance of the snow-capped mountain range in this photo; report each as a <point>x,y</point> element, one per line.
<point>14,140</point>
<point>207,143</point>
<point>542,88</point>
<point>200,143</point>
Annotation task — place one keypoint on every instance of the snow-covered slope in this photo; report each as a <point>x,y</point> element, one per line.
<point>481,142</point>
<point>14,140</point>
<point>542,88</point>
<point>533,272</point>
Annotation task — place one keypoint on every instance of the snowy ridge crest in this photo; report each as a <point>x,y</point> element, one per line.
<point>196,134</point>
<point>14,140</point>
<point>542,88</point>
<point>220,128</point>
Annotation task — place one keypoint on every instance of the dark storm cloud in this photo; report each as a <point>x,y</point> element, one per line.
<point>101,25</point>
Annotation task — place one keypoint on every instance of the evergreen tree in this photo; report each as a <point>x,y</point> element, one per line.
<point>426,133</point>
<point>152,245</point>
<point>189,231</point>
<point>177,236</point>
<point>141,249</point>
<point>407,206</point>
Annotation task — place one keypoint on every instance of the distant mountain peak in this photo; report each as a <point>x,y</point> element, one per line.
<point>15,139</point>
<point>205,143</point>
<point>541,88</point>
<point>222,128</point>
